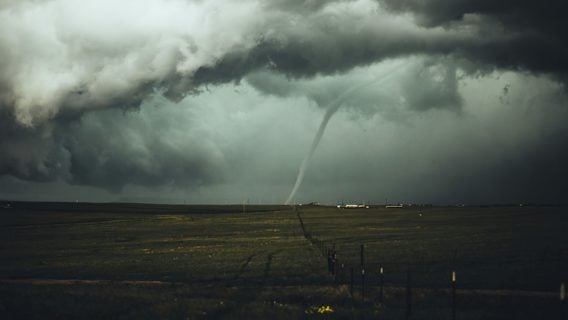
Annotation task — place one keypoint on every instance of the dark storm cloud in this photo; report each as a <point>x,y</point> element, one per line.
<point>524,14</point>
<point>432,85</point>
<point>328,44</point>
<point>108,150</point>
<point>508,150</point>
<point>534,31</point>
<point>419,84</point>
<point>511,35</point>
<point>27,153</point>
<point>62,68</point>
<point>299,5</point>
<point>62,62</point>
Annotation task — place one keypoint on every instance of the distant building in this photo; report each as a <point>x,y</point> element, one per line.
<point>353,206</point>
<point>393,206</point>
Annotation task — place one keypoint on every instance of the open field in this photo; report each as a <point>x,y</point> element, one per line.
<point>157,261</point>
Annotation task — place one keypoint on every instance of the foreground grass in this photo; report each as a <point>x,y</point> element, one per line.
<point>498,248</point>
<point>215,262</point>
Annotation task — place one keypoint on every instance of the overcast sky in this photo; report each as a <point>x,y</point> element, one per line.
<point>219,101</point>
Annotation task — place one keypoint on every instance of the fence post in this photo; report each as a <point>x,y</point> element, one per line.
<point>381,281</point>
<point>408,294</point>
<point>328,254</point>
<point>334,262</point>
<point>563,302</point>
<point>453,295</point>
<point>363,272</point>
<point>335,271</point>
<point>351,285</point>
<point>363,284</point>
<point>362,255</point>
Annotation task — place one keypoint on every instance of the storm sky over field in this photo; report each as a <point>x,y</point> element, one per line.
<point>217,101</point>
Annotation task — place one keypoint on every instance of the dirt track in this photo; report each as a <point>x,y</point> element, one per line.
<point>482,292</point>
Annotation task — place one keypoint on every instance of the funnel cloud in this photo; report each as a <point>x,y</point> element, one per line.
<point>331,109</point>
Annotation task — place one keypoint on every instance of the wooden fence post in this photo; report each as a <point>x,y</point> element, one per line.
<point>363,284</point>
<point>453,295</point>
<point>381,282</point>
<point>362,255</point>
<point>563,302</point>
<point>408,294</point>
<point>334,262</point>
<point>351,285</point>
<point>335,271</point>
<point>328,254</point>
<point>363,272</point>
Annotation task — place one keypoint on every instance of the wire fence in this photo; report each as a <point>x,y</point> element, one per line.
<point>414,288</point>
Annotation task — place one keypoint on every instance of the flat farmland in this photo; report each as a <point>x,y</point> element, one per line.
<point>100,261</point>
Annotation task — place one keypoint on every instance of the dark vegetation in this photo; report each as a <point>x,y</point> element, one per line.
<point>74,260</point>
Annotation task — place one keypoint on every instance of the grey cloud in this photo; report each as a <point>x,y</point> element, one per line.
<point>62,57</point>
<point>420,84</point>
<point>300,5</point>
<point>432,85</point>
<point>110,150</point>
<point>533,32</point>
<point>491,152</point>
<point>79,67</point>
<point>68,69</point>
<point>523,13</point>
<point>28,153</point>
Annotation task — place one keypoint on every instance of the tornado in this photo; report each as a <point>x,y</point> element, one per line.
<point>331,109</point>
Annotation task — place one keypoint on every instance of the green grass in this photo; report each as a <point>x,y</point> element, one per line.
<point>216,262</point>
<point>510,247</point>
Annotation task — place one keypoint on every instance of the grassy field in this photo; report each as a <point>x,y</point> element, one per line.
<point>104,261</point>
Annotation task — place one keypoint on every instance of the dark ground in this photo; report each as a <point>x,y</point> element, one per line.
<point>101,261</point>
